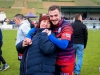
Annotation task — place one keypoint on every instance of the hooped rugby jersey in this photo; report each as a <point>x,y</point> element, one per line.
<point>64,31</point>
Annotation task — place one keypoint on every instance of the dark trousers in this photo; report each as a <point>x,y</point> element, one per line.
<point>57,70</point>
<point>1,57</point>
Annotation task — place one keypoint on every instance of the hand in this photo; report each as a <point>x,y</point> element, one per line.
<point>47,31</point>
<point>27,41</point>
<point>24,43</point>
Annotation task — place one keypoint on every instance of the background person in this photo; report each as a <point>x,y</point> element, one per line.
<point>31,22</point>
<point>80,41</point>
<point>23,28</point>
<point>94,27</point>
<point>2,60</point>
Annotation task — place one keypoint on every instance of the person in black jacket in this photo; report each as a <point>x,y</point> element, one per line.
<point>39,56</point>
<point>5,65</point>
<point>80,41</point>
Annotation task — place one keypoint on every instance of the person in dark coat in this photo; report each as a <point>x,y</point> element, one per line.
<point>80,41</point>
<point>64,41</point>
<point>39,56</point>
<point>2,60</point>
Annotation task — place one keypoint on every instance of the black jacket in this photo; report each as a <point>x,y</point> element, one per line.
<point>0,42</point>
<point>40,57</point>
<point>80,33</point>
<point>1,38</point>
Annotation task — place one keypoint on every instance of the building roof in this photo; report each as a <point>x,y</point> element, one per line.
<point>80,8</point>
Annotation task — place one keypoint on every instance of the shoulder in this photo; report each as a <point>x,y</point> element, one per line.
<point>84,26</point>
<point>65,22</point>
<point>25,22</point>
<point>25,25</point>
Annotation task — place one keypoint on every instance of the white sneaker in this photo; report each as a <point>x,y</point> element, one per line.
<point>0,68</point>
<point>5,67</point>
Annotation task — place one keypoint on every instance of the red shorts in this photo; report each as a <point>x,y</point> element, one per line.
<point>65,70</point>
<point>20,56</point>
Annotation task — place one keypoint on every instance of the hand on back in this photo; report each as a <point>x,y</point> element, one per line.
<point>26,42</point>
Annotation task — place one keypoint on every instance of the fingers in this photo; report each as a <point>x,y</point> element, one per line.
<point>47,31</point>
<point>26,42</point>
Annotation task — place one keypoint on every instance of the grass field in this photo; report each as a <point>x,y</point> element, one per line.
<point>6,4</point>
<point>34,4</point>
<point>91,60</point>
<point>96,1</point>
<point>10,13</point>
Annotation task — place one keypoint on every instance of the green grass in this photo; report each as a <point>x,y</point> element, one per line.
<point>85,3</point>
<point>6,4</point>
<point>60,0</point>
<point>10,13</point>
<point>10,53</point>
<point>91,60</point>
<point>39,11</point>
<point>96,1</point>
<point>34,4</point>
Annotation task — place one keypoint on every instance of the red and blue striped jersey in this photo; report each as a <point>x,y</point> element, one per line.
<point>64,31</point>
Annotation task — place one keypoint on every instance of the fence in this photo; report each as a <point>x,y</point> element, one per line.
<point>8,26</point>
<point>88,23</point>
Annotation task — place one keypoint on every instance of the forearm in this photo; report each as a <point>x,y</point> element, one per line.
<point>59,43</point>
<point>30,33</point>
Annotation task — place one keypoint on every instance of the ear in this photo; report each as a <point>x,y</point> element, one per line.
<point>19,20</point>
<point>60,14</point>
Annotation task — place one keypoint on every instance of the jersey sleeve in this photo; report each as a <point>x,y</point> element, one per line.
<point>67,33</point>
<point>30,32</point>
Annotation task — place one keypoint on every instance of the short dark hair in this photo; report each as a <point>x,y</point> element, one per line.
<point>53,7</point>
<point>77,16</point>
<point>19,16</point>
